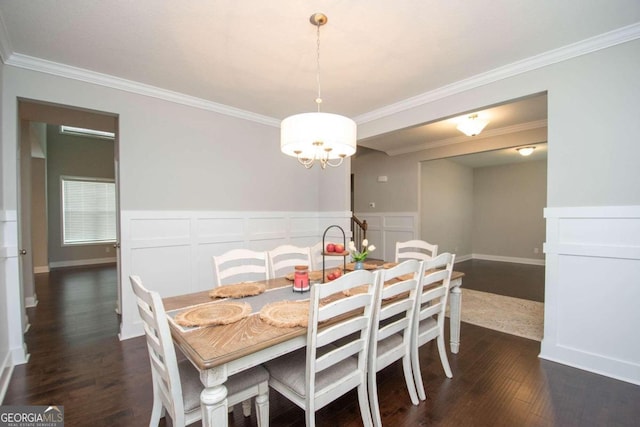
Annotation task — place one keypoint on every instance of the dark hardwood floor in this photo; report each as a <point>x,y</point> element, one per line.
<point>77,361</point>
<point>504,278</point>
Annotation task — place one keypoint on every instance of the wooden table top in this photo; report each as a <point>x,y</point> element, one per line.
<point>214,346</point>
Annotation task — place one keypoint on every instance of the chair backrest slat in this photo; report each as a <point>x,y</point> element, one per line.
<point>240,265</point>
<point>283,259</point>
<point>415,249</point>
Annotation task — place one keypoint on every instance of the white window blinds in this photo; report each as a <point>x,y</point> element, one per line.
<point>88,211</point>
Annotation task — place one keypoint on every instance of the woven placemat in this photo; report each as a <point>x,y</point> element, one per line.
<point>238,290</point>
<point>313,275</point>
<point>219,313</point>
<point>355,291</point>
<point>367,266</point>
<point>286,314</point>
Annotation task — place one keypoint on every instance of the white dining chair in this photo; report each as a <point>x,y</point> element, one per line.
<point>431,305</point>
<point>240,265</point>
<point>415,249</point>
<point>177,385</point>
<point>391,331</point>
<point>283,259</point>
<point>335,358</point>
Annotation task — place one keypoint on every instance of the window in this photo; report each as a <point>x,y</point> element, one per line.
<point>88,210</point>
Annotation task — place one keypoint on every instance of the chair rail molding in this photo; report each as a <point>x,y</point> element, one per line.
<point>592,289</point>
<point>172,250</point>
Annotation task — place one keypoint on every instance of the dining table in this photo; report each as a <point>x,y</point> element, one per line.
<point>220,351</point>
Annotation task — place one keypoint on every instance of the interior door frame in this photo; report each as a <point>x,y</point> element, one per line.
<point>31,110</point>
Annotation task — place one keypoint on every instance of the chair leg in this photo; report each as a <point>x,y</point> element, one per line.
<point>363,399</point>
<point>443,357</point>
<point>310,416</point>
<point>246,408</point>
<point>157,410</point>
<point>262,405</point>
<point>408,378</point>
<point>373,396</point>
<point>417,375</point>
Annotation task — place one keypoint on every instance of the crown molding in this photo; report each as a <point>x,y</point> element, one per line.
<point>62,70</point>
<point>583,47</point>
<point>459,139</point>
<point>602,41</point>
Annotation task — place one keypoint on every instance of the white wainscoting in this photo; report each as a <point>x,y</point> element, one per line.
<point>172,251</point>
<point>593,289</point>
<point>385,229</point>
<point>10,278</point>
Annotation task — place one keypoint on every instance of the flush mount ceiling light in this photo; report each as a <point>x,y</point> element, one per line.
<point>322,137</point>
<point>525,151</point>
<point>472,125</point>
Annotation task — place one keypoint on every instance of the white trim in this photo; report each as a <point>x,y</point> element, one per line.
<point>19,355</point>
<point>171,250</point>
<point>516,260</point>
<point>67,71</point>
<point>82,262</point>
<point>602,41</point>
<point>463,258</point>
<point>10,215</point>
<point>9,252</point>
<point>6,369</point>
<point>41,269</point>
<point>593,256</point>
<point>31,301</point>
<point>593,212</point>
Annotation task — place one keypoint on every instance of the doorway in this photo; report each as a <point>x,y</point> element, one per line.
<point>52,231</point>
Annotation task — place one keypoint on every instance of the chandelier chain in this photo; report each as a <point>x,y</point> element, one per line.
<point>319,98</point>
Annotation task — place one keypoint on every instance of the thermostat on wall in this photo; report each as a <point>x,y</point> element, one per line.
<point>382,178</point>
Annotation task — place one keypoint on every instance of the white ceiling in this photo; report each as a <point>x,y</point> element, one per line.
<point>259,56</point>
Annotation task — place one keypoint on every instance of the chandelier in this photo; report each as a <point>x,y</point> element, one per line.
<point>322,137</point>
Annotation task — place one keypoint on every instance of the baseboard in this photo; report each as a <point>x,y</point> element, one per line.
<point>463,258</point>
<point>41,269</point>
<point>82,262</point>
<point>133,330</point>
<point>31,301</point>
<point>19,355</point>
<point>6,370</point>
<point>516,260</point>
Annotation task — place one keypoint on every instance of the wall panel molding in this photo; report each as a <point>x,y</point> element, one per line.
<point>172,251</point>
<point>592,289</point>
<point>386,228</point>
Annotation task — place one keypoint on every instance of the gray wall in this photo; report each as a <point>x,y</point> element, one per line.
<point>508,203</point>
<point>495,211</point>
<point>446,208</point>
<point>74,156</point>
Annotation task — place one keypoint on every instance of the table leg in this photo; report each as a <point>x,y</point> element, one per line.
<point>455,306</point>
<point>213,399</point>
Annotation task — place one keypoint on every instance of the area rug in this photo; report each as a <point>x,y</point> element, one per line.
<point>513,316</point>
